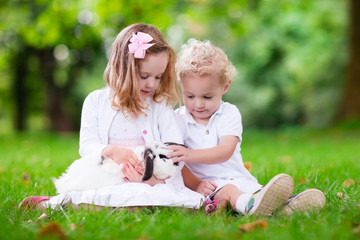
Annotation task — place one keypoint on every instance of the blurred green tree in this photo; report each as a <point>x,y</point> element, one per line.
<point>291,56</point>
<point>44,39</point>
<point>47,45</point>
<point>350,105</point>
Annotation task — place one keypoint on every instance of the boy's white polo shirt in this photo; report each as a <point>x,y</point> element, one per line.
<point>224,122</point>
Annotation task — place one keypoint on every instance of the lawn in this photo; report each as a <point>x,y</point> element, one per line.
<point>325,159</point>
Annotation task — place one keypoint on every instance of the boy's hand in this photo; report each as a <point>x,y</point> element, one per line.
<point>206,187</point>
<point>179,153</point>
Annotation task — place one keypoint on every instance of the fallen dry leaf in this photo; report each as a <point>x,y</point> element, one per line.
<point>303,180</point>
<point>348,183</point>
<point>340,195</point>
<point>25,176</point>
<point>42,216</point>
<point>51,230</point>
<point>286,159</point>
<point>72,226</point>
<point>356,229</point>
<point>248,166</point>
<point>249,227</point>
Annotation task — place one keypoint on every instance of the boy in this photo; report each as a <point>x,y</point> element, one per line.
<point>212,132</point>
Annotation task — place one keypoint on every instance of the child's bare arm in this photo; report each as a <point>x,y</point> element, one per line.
<point>196,184</point>
<point>218,154</point>
<point>190,180</point>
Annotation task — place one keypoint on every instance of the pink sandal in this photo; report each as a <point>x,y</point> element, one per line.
<point>211,206</point>
<point>32,202</point>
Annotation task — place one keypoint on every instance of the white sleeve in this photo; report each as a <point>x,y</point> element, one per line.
<point>168,126</point>
<point>230,122</point>
<point>89,130</point>
<point>181,122</point>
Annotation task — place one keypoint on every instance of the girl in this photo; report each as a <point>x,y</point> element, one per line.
<point>133,109</point>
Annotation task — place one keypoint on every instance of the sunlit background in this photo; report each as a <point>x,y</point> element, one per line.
<point>291,56</point>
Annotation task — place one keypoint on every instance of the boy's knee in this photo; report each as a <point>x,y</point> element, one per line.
<point>227,192</point>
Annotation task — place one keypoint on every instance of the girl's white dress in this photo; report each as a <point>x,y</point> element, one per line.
<point>96,127</point>
<point>172,194</point>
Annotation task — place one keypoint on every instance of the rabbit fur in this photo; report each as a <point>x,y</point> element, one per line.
<point>95,170</point>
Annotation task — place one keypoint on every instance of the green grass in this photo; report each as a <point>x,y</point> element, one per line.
<point>323,159</point>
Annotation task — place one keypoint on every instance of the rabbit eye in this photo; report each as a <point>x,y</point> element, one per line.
<point>162,156</point>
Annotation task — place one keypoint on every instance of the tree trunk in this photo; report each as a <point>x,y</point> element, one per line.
<point>350,106</point>
<point>59,120</point>
<point>19,88</point>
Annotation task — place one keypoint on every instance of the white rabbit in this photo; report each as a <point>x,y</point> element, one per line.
<point>95,170</point>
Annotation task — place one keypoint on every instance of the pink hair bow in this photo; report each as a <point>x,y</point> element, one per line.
<point>139,44</point>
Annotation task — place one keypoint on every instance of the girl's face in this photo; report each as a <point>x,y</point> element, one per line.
<point>202,96</point>
<point>151,69</point>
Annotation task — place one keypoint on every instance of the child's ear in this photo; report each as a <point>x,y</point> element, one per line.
<point>227,87</point>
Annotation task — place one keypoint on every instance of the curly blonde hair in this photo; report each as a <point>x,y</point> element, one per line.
<point>122,72</point>
<point>203,58</point>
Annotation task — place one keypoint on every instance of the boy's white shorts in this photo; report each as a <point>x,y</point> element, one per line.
<point>245,185</point>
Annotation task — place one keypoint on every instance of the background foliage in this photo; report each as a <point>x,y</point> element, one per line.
<point>290,55</point>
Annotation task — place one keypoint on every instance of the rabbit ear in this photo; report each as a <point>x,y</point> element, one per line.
<point>149,164</point>
<point>173,143</point>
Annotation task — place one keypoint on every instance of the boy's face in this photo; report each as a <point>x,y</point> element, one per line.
<point>202,96</point>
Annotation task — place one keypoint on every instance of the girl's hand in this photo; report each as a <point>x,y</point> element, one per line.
<point>179,153</point>
<point>206,187</point>
<point>122,155</point>
<point>134,174</point>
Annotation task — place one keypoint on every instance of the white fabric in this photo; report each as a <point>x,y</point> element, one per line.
<point>125,133</point>
<point>245,185</point>
<point>97,116</point>
<point>224,122</point>
<point>158,125</point>
<point>172,194</point>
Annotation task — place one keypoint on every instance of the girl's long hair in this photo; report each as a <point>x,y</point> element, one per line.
<point>122,72</point>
